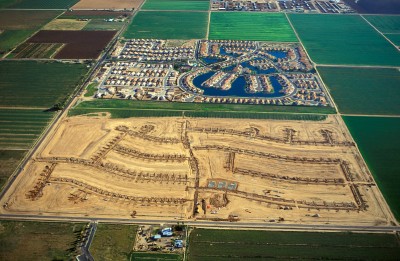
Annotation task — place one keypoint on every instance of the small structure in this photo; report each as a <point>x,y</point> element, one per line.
<point>178,243</point>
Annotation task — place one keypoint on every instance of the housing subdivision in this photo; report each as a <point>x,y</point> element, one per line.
<point>313,6</point>
<point>206,71</point>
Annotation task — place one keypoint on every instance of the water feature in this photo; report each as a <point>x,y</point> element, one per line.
<point>278,54</point>
<point>238,88</point>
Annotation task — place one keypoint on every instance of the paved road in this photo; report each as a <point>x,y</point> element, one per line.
<point>212,224</point>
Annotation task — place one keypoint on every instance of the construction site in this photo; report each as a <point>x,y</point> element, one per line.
<point>199,169</point>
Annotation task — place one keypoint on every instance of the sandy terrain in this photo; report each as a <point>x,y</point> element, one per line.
<point>207,169</point>
<point>107,4</point>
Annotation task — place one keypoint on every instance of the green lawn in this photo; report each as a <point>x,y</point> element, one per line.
<point>9,160</point>
<point>37,84</point>
<point>113,242</point>
<point>168,25</point>
<point>343,39</point>
<point>207,244</point>
<point>43,4</point>
<point>363,90</point>
<point>20,128</point>
<point>379,144</point>
<point>176,5</point>
<point>250,26</point>
<point>385,23</point>
<point>395,38</point>
<point>38,241</point>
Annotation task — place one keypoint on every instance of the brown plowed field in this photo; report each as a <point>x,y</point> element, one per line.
<point>79,44</point>
<point>107,4</point>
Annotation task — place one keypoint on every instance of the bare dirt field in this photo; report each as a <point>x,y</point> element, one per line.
<point>65,24</point>
<point>78,44</point>
<point>205,169</point>
<point>106,4</point>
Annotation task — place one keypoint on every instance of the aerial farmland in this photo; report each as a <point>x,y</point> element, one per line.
<point>199,130</point>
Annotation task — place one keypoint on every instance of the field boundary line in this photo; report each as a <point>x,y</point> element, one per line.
<point>299,40</point>
<point>379,32</point>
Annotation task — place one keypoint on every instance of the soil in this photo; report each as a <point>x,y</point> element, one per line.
<point>163,168</point>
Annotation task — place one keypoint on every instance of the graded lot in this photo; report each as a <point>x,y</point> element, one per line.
<point>208,169</point>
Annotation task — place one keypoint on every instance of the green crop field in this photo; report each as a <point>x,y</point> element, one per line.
<point>6,3</point>
<point>100,24</point>
<point>395,38</point>
<point>113,242</point>
<point>363,90</point>
<point>20,128</point>
<point>127,109</point>
<point>208,244</point>
<point>43,4</point>
<point>378,141</point>
<point>385,23</point>
<point>38,241</point>
<point>154,257</point>
<point>9,160</point>
<point>344,39</point>
<point>250,26</point>
<point>176,5</point>
<point>168,25</point>
<point>11,38</point>
<point>37,84</point>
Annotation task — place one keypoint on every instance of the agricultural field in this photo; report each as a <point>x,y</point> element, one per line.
<point>395,38</point>
<point>138,256</point>
<point>9,160</point>
<point>43,4</point>
<point>21,127</point>
<point>127,108</point>
<point>25,19</point>
<point>93,14</point>
<point>385,23</point>
<point>11,38</point>
<point>65,24</point>
<point>107,4</point>
<point>176,5</point>
<point>322,36</point>
<point>168,25</point>
<point>28,83</point>
<point>20,240</point>
<point>207,245</point>
<point>363,90</point>
<point>17,26</point>
<point>36,50</point>
<point>113,242</point>
<point>100,24</point>
<point>78,44</point>
<point>250,26</point>
<point>377,139</point>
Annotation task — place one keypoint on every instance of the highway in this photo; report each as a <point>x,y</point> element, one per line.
<point>212,224</point>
